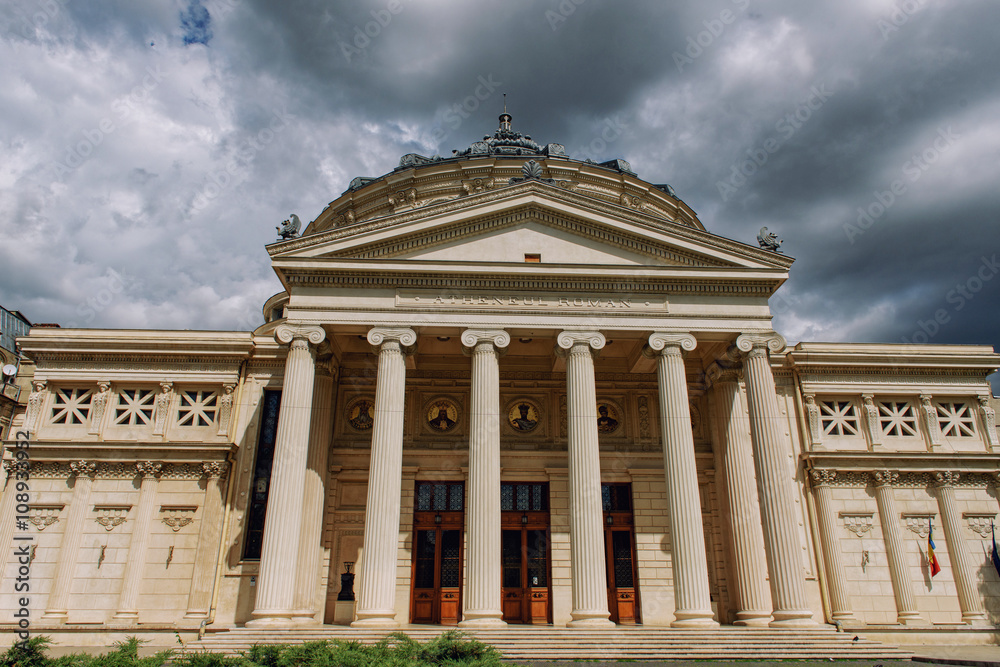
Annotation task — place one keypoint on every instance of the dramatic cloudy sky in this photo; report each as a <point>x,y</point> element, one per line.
<point>119,119</point>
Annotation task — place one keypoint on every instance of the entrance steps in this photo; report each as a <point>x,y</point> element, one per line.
<point>620,643</point>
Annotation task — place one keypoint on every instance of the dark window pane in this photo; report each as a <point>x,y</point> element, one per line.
<point>450,561</point>
<point>440,496</point>
<point>261,475</point>
<point>621,548</point>
<point>423,496</point>
<point>456,498</point>
<point>424,575</point>
<point>511,558</point>
<point>522,497</point>
<point>506,496</point>
<point>537,558</point>
<point>536,497</point>
<point>606,497</point>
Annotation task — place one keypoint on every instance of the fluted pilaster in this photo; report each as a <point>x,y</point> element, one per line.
<point>314,497</point>
<point>56,608</point>
<point>693,604</point>
<point>747,542</point>
<point>279,551</point>
<point>207,555</point>
<point>377,585</point>
<point>895,548</point>
<point>774,484</point>
<point>964,572</point>
<point>149,472</point>
<point>587,560</point>
<point>481,598</point>
<point>840,599</point>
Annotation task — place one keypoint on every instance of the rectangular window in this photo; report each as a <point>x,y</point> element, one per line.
<point>838,418</point>
<point>440,496</point>
<point>897,418</point>
<point>524,497</point>
<point>957,420</point>
<point>71,406</point>
<point>135,407</point>
<point>197,408</point>
<point>616,497</point>
<point>262,474</point>
<point>532,258</point>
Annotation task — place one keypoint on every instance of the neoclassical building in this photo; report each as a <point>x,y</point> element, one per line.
<point>504,387</point>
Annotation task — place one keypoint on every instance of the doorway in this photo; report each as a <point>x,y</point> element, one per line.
<point>619,546</point>
<point>524,510</point>
<point>438,527</point>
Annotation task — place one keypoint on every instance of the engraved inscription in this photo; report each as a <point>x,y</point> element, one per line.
<point>526,301</point>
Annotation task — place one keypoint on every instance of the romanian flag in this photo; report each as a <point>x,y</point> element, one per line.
<point>931,558</point>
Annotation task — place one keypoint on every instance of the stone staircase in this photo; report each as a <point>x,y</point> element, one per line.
<point>621,643</point>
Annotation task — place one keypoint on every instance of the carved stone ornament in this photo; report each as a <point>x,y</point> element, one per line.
<point>980,522</point>
<point>609,417</point>
<point>286,333</point>
<point>178,516</point>
<point>346,218</point>
<point>379,335</point>
<point>812,416</point>
<point>43,516</point>
<point>83,468</point>
<point>989,417</point>
<point>98,404</point>
<point>643,403</point>
<point>565,341</point>
<point>215,469</point>
<point>871,419</point>
<point>669,342</point>
<point>751,343</point>
<point>225,408</point>
<point>823,477</point>
<point>885,477</point>
<point>442,415</point>
<point>930,420</point>
<point>477,185</point>
<point>859,523</point>
<point>111,516</point>
<point>34,409</point>
<point>149,469</point>
<point>920,524</point>
<point>163,400</point>
<point>359,413</point>
<point>946,478</point>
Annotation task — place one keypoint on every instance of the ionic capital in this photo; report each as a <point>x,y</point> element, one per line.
<point>718,373</point>
<point>567,339</point>
<point>472,337</point>
<point>669,342</point>
<point>381,335</point>
<point>885,477</point>
<point>149,469</point>
<point>823,477</point>
<point>946,478</point>
<point>285,333</point>
<point>751,343</point>
<point>83,468</point>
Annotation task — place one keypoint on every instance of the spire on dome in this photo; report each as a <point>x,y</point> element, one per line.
<point>505,117</point>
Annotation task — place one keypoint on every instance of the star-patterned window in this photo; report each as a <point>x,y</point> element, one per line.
<point>71,406</point>
<point>838,417</point>
<point>957,420</point>
<point>897,418</point>
<point>197,408</point>
<point>135,407</point>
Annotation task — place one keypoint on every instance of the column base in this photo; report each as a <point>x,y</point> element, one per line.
<point>753,619</point>
<point>693,620</point>
<point>976,618</point>
<point>56,616</point>
<point>910,618</point>
<point>792,619</point>
<point>482,620</point>
<point>270,619</point>
<point>593,619</point>
<point>376,620</point>
<point>844,616</point>
<point>125,616</point>
<point>305,620</point>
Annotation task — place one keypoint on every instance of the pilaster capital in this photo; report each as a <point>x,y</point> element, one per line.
<point>946,478</point>
<point>749,343</point>
<point>380,335</point>
<point>884,477</point>
<point>39,385</point>
<point>149,469</point>
<point>823,477</point>
<point>567,339</point>
<point>498,337</point>
<point>83,468</point>
<point>670,342</point>
<point>215,469</point>
<point>286,333</point>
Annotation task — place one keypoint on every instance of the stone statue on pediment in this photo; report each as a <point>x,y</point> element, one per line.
<point>289,229</point>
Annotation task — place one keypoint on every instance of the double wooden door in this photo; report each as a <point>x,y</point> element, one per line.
<point>438,528</point>
<point>525,552</point>
<point>619,548</point>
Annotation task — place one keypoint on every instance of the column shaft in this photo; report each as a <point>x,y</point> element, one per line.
<point>895,548</point>
<point>376,596</point>
<point>747,546</point>
<point>774,487</point>
<point>279,550</point>
<point>206,557</point>
<point>587,558</point>
<point>482,596</point>
<point>969,598</point>
<point>687,536</point>
<point>314,498</point>
<point>132,577</point>
<point>56,608</point>
<point>836,579</point>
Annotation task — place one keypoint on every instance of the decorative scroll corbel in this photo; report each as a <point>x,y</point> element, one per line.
<point>815,425</point>
<point>931,420</point>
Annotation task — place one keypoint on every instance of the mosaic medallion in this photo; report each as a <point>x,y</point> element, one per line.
<point>359,413</point>
<point>523,416</point>
<point>442,415</point>
<point>608,418</point>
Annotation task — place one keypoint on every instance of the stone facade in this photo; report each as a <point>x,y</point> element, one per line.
<point>504,399</point>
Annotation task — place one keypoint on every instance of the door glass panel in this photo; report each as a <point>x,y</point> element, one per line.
<point>450,561</point>
<point>512,559</point>
<point>456,496</point>
<point>537,559</point>
<point>440,496</point>
<point>506,496</point>
<point>424,575</point>
<point>522,497</point>
<point>621,548</point>
<point>424,497</point>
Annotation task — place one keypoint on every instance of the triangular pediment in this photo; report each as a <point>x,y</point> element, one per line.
<point>532,219</point>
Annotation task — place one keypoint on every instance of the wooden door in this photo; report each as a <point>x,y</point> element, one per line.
<point>438,521</point>
<point>525,552</point>
<point>619,545</point>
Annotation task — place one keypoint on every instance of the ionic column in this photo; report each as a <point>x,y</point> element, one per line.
<point>687,537</point>
<point>747,545</point>
<point>895,548</point>
<point>206,557</point>
<point>56,608</point>
<point>279,550</point>
<point>965,576</point>
<point>377,585</point>
<point>482,603</point>
<point>774,484</point>
<point>149,472</point>
<point>314,496</point>
<point>586,526</point>
<point>840,599</point>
